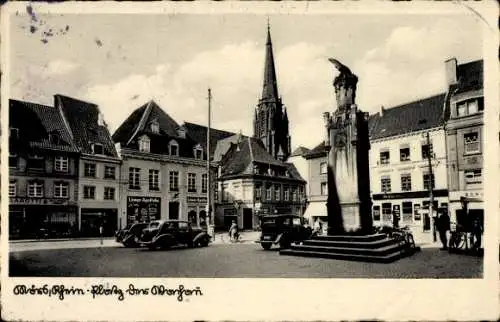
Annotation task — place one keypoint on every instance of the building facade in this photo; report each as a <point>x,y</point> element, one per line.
<point>252,183</point>
<point>43,173</point>
<point>99,166</point>
<point>408,162</point>
<point>164,170</point>
<point>465,137</point>
<point>317,182</point>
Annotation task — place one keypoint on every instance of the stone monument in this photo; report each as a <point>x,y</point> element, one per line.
<point>347,143</point>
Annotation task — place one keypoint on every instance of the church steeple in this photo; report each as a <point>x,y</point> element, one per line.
<point>271,121</point>
<point>270,86</point>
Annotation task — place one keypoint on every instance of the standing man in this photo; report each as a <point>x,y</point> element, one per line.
<point>443,225</point>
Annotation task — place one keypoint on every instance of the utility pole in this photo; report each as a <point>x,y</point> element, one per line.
<point>431,188</point>
<point>209,186</point>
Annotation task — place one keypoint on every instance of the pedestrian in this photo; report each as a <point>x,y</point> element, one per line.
<point>477,231</point>
<point>443,225</point>
<point>317,227</point>
<point>395,221</point>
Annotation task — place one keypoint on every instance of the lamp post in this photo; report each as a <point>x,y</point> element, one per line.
<point>209,187</point>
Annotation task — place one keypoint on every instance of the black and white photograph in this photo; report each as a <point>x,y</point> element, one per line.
<point>259,144</point>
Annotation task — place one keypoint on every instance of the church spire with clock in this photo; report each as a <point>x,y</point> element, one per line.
<point>271,120</point>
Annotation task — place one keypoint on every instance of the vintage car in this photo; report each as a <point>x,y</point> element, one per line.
<point>282,230</point>
<point>168,233</point>
<point>129,236</point>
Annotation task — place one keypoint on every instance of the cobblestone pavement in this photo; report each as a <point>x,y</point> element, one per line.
<point>221,259</point>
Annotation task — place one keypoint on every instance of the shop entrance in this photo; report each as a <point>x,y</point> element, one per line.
<point>247,218</point>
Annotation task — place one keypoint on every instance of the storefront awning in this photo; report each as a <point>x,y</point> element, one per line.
<point>316,209</point>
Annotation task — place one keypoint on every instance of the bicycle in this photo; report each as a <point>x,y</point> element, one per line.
<point>403,236</point>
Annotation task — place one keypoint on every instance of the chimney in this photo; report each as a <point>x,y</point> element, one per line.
<point>451,71</point>
<point>100,119</point>
<point>382,110</point>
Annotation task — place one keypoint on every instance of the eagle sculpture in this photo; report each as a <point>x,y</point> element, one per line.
<point>344,70</point>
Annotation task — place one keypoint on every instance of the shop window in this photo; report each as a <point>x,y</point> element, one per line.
<point>35,189</point>
<point>416,212</point>
<point>384,157</point>
<point>191,182</point>
<point>154,180</point>
<point>61,164</point>
<point>12,188</point>
<point>324,188</point>
<point>109,172</point>
<point>376,213</point>
<point>134,178</point>
<point>109,193</point>
<point>428,181</point>
<point>404,154</point>
<point>174,180</point>
<point>88,192</point>
<point>387,212</point>
<point>323,168</point>
<point>471,143</point>
<point>61,190</point>
<point>385,184</point>
<point>406,182</point>
<point>89,170</point>
<point>407,211</point>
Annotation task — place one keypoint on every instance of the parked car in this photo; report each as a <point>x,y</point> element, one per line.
<point>168,233</point>
<point>282,230</point>
<point>129,236</point>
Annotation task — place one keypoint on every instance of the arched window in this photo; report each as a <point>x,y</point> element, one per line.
<point>173,148</point>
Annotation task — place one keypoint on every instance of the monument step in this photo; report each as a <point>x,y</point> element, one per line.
<point>381,251</point>
<point>354,238</point>
<point>350,244</point>
<point>353,257</point>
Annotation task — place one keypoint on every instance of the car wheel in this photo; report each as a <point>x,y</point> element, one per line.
<point>266,246</point>
<point>191,244</point>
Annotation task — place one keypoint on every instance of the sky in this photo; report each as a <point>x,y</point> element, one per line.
<point>121,61</point>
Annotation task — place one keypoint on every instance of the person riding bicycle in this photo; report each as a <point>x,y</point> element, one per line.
<point>233,231</point>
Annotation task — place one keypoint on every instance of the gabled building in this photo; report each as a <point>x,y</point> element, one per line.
<point>317,184</point>
<point>99,166</point>
<point>465,137</point>
<point>43,173</point>
<point>407,161</point>
<point>164,173</point>
<point>251,183</point>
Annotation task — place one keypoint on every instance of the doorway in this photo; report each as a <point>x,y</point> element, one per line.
<point>247,218</point>
<point>173,210</point>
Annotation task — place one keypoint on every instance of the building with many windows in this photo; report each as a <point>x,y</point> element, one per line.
<point>465,136</point>
<point>43,173</point>
<point>408,161</point>
<point>164,173</point>
<point>99,166</point>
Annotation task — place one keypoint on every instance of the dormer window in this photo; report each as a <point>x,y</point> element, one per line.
<point>155,127</point>
<point>173,148</point>
<point>54,138</point>
<point>14,133</point>
<point>255,169</point>
<point>198,152</point>
<point>144,144</point>
<point>97,148</point>
<point>181,132</point>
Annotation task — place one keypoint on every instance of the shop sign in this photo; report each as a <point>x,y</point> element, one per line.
<point>191,199</point>
<point>39,201</point>
<point>410,195</point>
<point>143,209</point>
<point>396,211</point>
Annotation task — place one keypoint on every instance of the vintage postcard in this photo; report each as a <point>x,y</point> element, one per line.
<point>250,161</point>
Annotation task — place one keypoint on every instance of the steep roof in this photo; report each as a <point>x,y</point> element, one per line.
<point>139,120</point>
<point>36,123</point>
<point>270,86</point>
<point>470,76</point>
<point>199,134</point>
<point>410,117</point>
<point>317,151</point>
<point>300,151</point>
<point>83,120</point>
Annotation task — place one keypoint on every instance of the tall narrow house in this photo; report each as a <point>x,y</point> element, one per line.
<point>271,120</point>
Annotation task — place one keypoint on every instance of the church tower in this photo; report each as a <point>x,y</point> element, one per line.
<point>271,120</point>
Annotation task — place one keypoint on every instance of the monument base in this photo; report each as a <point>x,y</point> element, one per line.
<point>351,217</point>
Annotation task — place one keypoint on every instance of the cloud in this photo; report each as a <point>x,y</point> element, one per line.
<point>60,67</point>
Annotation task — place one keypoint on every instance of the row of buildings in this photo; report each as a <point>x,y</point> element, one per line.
<point>69,176</point>
<point>433,145</point>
